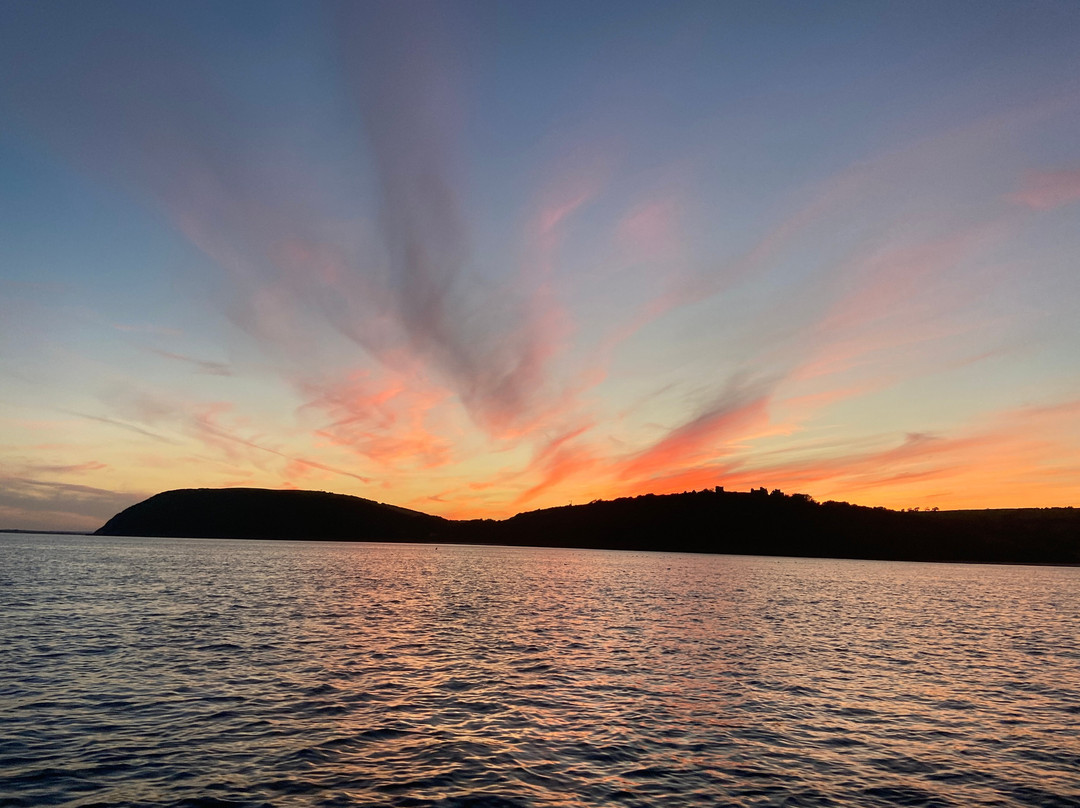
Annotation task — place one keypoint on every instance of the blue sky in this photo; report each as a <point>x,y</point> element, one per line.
<point>476,258</point>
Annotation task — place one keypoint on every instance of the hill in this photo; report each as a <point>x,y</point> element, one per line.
<point>753,523</point>
<point>257,513</point>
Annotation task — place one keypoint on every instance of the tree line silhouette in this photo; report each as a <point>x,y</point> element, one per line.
<point>757,522</point>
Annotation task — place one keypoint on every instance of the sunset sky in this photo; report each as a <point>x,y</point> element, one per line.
<point>479,258</point>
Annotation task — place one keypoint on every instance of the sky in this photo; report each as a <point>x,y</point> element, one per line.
<point>480,258</point>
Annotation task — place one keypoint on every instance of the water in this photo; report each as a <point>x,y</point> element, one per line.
<point>214,673</point>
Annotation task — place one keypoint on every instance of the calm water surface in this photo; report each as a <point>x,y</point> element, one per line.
<point>214,673</point>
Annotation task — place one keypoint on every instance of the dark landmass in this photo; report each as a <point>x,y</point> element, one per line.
<point>259,513</point>
<point>718,521</point>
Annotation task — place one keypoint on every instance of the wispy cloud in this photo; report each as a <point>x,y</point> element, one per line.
<point>562,458</point>
<point>489,345</point>
<point>1013,458</point>
<point>386,422</point>
<point>1046,190</point>
<point>206,366</point>
<point>400,283</point>
<point>67,468</point>
<point>900,294</point>
<point>38,504</point>
<point>401,347</point>
<point>210,425</point>
<point>129,427</point>
<point>705,437</point>
<point>146,328</point>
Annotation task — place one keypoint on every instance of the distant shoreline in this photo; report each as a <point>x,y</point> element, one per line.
<point>714,521</point>
<point>437,544</point>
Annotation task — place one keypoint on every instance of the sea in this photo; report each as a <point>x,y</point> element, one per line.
<point>149,671</point>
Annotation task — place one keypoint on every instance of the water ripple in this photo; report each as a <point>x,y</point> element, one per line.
<point>217,673</point>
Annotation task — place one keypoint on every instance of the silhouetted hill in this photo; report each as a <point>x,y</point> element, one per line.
<point>754,523</point>
<point>257,513</point>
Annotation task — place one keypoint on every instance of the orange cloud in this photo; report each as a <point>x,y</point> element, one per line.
<point>386,422</point>
<point>1016,458</point>
<point>705,437</point>
<point>1021,457</point>
<point>559,460</point>
<point>739,414</point>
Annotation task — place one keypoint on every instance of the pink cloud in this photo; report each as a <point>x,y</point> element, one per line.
<point>650,230</point>
<point>1047,190</point>
<point>704,437</point>
<point>401,284</point>
<point>655,223</point>
<point>802,406</point>
<point>212,424</point>
<point>899,296</point>
<point>74,468</point>
<point>387,421</point>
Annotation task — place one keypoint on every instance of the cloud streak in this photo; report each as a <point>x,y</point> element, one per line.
<point>1047,190</point>
<point>208,425</point>
<point>386,423</point>
<point>704,437</point>
<point>38,504</point>
<point>429,279</point>
<point>206,366</point>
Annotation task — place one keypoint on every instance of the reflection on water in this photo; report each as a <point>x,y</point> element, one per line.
<point>233,673</point>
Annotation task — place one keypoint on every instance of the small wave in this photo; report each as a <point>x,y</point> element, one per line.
<point>673,690</point>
